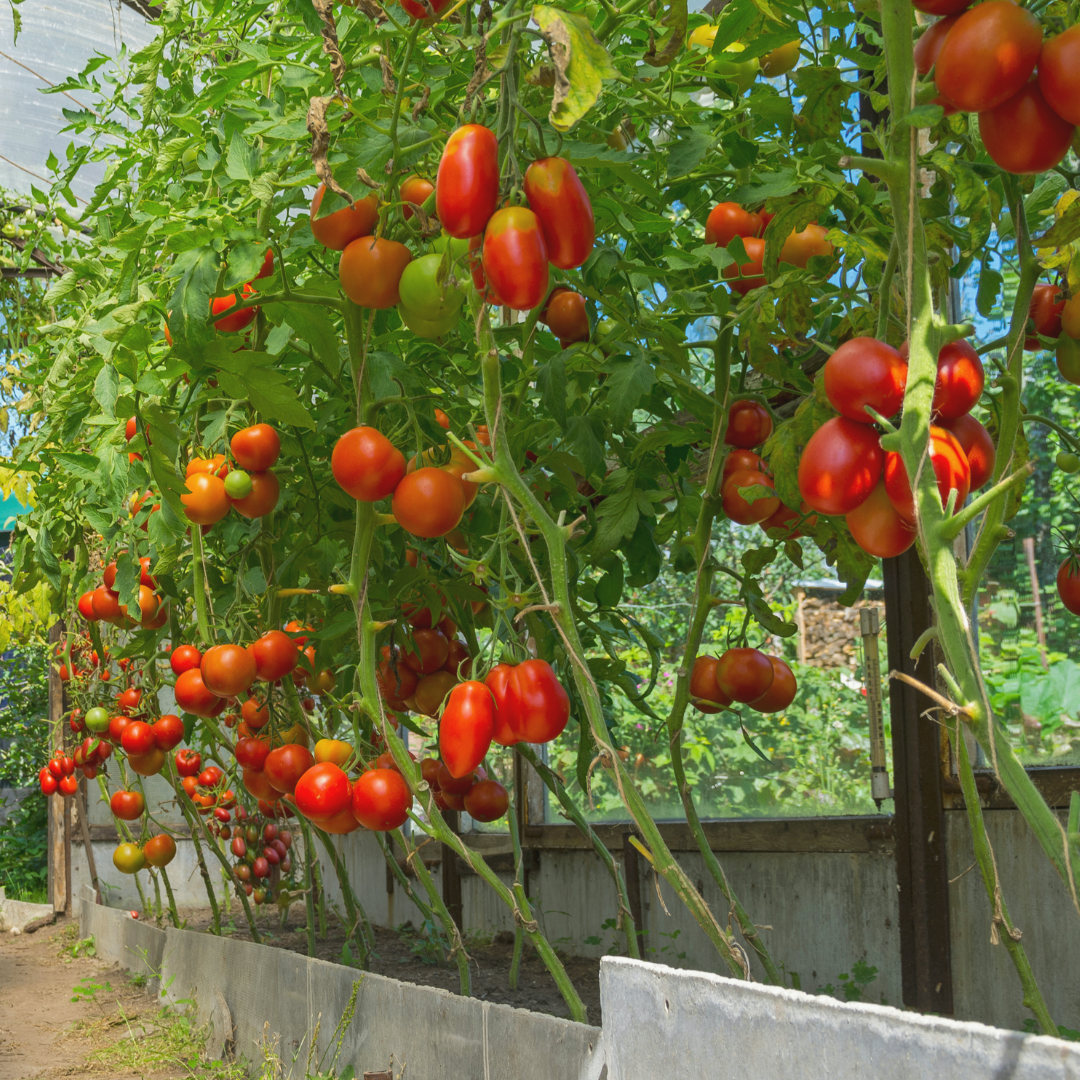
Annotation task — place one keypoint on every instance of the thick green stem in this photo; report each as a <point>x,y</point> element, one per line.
<point>555,538</point>
<point>386,842</point>
<point>198,570</point>
<point>354,912</point>
<point>173,913</point>
<point>309,884</point>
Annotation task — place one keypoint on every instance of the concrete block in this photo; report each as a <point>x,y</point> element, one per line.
<point>121,939</point>
<point>659,1021</point>
<point>15,914</point>
<point>523,1045</point>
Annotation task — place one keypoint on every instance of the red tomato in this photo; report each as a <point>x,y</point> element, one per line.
<point>1059,74</point>
<point>741,460</point>
<point>193,695</point>
<point>228,670</point>
<point>323,792</point>
<point>251,753</point>
<point>950,467</point>
<point>497,681</point>
<point>396,683</point>
<point>370,270</point>
<point>840,466</point>
<point>138,738</point>
<point>989,54</point>
<point>86,606</point>
<point>450,784</point>
<point>414,190</point>
<point>206,501</point>
<point>106,605</point>
<point>255,448</point>
<point>476,268</point>
<point>977,445</point>
<point>160,850</point>
<point>536,702</point>
<point>428,502</point>
<point>703,686</point>
<point>865,371</point>
<point>381,799</point>
<point>431,690</point>
<point>800,247</point>
<point>184,658</point>
<point>515,257</point>
<point>442,419</point>
<point>739,509</point>
<point>728,220</point>
<point>749,275</point>
<point>168,731</point>
<point>749,425</point>
<point>210,776</point>
<point>467,185</point>
<point>432,649</point>
<point>744,675</point>
<point>130,698</point>
<point>275,654</point>
<point>257,784</point>
<point>782,691</point>
<point>263,497</point>
<point>366,464</point>
<point>1068,584</point>
<point>48,782</point>
<point>487,800</point>
<point>285,765</point>
<point>458,661</point>
<point>339,229</point>
<point>267,267</point>
<point>127,805</point>
<point>188,763</point>
<point>466,727</point>
<point>928,47</point>
<point>1047,304</point>
<point>1024,135</point>
<point>230,324</point>
<point>960,377</point>
<point>558,198</point>
<point>941,7</point>
<point>877,526</point>
<point>566,316</point>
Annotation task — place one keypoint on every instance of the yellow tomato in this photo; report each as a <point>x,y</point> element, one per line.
<point>780,61</point>
<point>740,72</point>
<point>702,36</point>
<point>296,734</point>
<point>333,750</point>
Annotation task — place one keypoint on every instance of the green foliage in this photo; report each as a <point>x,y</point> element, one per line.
<point>24,710</point>
<point>23,848</point>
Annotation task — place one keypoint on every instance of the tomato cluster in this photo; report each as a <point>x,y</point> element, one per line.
<point>482,798</point>
<point>747,676</point>
<point>843,469</point>
<point>159,850</point>
<point>103,603</point>
<point>983,59</point>
<point>250,486</point>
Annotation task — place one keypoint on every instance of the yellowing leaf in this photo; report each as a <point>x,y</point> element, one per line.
<point>581,64</point>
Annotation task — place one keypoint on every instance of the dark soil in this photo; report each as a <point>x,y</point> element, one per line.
<point>404,954</point>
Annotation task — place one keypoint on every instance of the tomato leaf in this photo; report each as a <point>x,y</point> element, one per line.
<point>126,584</point>
<point>628,382</point>
<point>581,434</point>
<point>687,148</point>
<point>45,558</point>
<point>990,283</point>
<point>753,746</point>
<point>581,64</point>
<point>735,19</point>
<point>269,391</point>
<point>763,614</point>
<point>189,305</point>
<point>107,389</point>
<point>617,516</point>
<point>610,586</point>
<point>1064,231</point>
<point>82,466</point>
<point>551,382</point>
<point>741,152</point>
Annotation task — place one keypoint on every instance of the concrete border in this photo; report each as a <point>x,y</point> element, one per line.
<point>251,994</point>
<point>16,914</point>
<point>660,1021</point>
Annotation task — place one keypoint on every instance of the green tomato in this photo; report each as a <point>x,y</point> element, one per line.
<point>189,157</point>
<point>128,858</point>
<point>605,333</point>
<point>427,328</point>
<point>458,248</point>
<point>1068,359</point>
<point>422,294</point>
<point>1068,463</point>
<point>97,719</point>
<point>740,72</point>
<point>238,484</point>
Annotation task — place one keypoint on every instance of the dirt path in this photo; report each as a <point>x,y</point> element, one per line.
<point>114,1030</point>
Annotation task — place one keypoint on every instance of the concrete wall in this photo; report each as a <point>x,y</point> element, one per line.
<point>663,1022</point>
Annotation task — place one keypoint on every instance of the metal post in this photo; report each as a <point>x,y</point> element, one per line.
<point>869,628</point>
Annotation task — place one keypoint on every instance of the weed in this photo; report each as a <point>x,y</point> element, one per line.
<point>72,947</point>
<point>852,986</point>
<point>138,979</point>
<point>478,939</point>
<point>86,989</point>
<point>427,944</point>
<point>1032,1028</point>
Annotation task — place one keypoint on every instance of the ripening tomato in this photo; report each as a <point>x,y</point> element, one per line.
<point>497,681</point>
<point>840,466</point>
<point>265,491</point>
<point>941,7</point>
<point>782,691</point>
<point>566,316</point>
<point>106,604</point>
<point>467,184</point>
<point>431,652</point>
<point>206,501</point>
<point>431,690</point>
<point>339,229</point>
<point>323,791</point>
<point>743,459</point>
<point>744,675</point>
<point>228,670</point>
<point>703,686</point>
<point>442,419</point>
<point>148,764</point>
<point>466,727</point>
<point>414,190</point>
<point>865,371</point>
<point>285,765</point>
<point>784,518</point>
<point>515,257</point>
<point>800,247</point>
<point>366,464</point>
<point>558,198</point>
<point>428,502</point>
<point>750,274</point>
<point>237,320</point>
<point>1068,584</point>
<point>168,731</point>
<point>381,800</point>
<point>928,47</point>
<point>741,510</point>
<point>128,859</point>
<point>396,683</point>
<point>458,660</point>
<point>989,54</point>
<point>370,271</point>
<point>781,60</point>
<point>1024,135</point>
<point>960,378</point>
<point>476,269</point>
<point>1047,304</point>
<point>536,703</point>
<point>127,805</point>
<point>728,220</point>
<point>184,658</point>
<point>160,850</point>
<point>978,447</point>
<point>194,696</point>
<point>878,527</point>
<point>86,606</point>
<point>257,784</point>
<point>255,448</point>
<point>1059,74</point>
<point>950,467</point>
<point>749,424</point>
<point>487,800</point>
